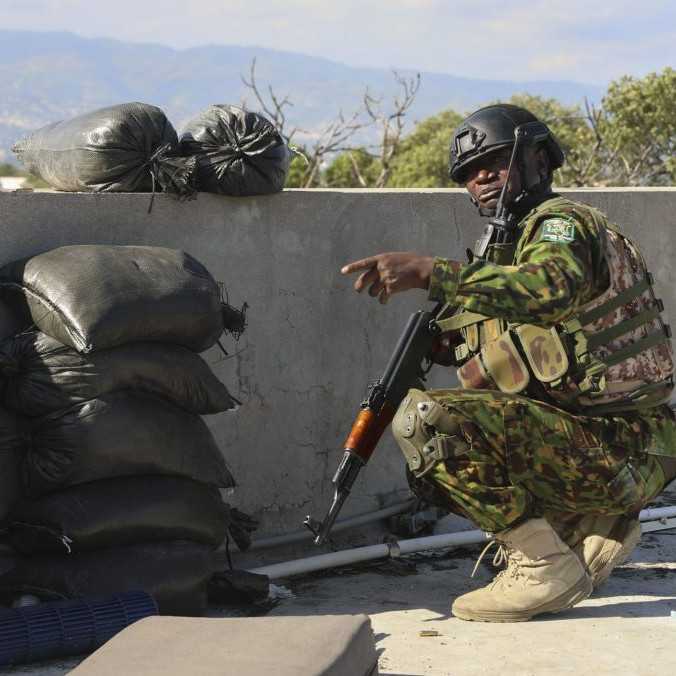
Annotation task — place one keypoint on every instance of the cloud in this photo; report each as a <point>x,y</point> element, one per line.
<point>554,63</point>
<point>493,39</point>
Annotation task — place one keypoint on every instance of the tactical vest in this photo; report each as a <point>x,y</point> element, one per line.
<point>614,355</point>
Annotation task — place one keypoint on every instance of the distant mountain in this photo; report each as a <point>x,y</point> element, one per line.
<point>45,77</point>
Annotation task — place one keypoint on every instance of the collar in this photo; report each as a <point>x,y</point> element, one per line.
<point>528,203</point>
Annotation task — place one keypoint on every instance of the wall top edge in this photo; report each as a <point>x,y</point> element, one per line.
<point>462,190</point>
<point>352,191</point>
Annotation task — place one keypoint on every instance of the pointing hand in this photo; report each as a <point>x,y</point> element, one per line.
<point>389,273</point>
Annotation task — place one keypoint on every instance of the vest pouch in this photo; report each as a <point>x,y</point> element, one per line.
<point>471,335</point>
<point>491,330</point>
<point>504,364</point>
<point>473,376</point>
<point>544,351</point>
<point>501,254</point>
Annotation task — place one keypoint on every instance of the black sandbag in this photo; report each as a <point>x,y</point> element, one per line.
<point>123,148</point>
<point>116,512</point>
<point>12,447</point>
<point>240,527</point>
<point>238,587</point>
<point>175,574</point>
<point>39,375</point>
<point>238,152</point>
<point>94,297</point>
<point>14,317</point>
<point>124,433</point>
<point>8,558</point>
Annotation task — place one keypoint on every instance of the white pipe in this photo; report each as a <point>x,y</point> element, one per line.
<point>359,554</point>
<point>467,537</point>
<point>343,524</point>
<point>657,513</point>
<point>350,556</point>
<point>392,510</point>
<point>660,524</point>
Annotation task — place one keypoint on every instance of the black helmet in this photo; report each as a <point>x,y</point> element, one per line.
<point>492,128</point>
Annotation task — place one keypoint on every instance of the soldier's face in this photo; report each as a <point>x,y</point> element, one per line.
<point>487,175</point>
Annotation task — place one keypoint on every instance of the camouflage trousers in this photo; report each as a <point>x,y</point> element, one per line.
<point>499,459</point>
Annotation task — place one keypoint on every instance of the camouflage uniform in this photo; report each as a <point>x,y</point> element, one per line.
<point>509,457</point>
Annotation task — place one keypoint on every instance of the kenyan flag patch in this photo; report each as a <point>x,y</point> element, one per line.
<point>558,230</point>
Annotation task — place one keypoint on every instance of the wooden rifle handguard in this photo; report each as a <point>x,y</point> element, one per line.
<point>367,430</point>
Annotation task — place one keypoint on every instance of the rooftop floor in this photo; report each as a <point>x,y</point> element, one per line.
<point>624,629</point>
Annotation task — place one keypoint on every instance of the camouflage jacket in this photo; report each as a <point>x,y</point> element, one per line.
<point>551,274</point>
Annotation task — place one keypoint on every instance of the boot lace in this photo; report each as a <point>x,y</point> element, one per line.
<point>503,555</point>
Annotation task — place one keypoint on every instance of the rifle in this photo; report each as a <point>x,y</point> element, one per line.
<point>409,364</point>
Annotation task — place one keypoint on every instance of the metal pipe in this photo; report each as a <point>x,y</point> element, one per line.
<point>343,524</point>
<point>359,554</point>
<point>394,549</point>
<point>660,524</point>
<point>657,513</point>
<point>392,510</point>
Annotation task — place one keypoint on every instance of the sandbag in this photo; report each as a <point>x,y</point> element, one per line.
<point>13,317</point>
<point>12,446</point>
<point>175,574</point>
<point>94,297</point>
<point>123,148</point>
<point>39,375</point>
<point>125,433</point>
<point>238,587</point>
<point>8,558</point>
<point>238,152</point>
<point>116,512</point>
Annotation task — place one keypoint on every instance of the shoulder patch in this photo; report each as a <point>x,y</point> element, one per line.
<point>557,230</point>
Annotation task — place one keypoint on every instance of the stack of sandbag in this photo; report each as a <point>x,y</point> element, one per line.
<point>12,444</point>
<point>133,147</point>
<point>120,474</point>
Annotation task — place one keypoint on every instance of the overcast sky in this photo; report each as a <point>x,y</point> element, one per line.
<point>584,40</point>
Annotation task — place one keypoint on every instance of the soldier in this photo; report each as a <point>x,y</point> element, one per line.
<point>561,433</point>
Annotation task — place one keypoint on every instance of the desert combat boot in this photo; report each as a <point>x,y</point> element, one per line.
<point>601,542</point>
<point>542,575</point>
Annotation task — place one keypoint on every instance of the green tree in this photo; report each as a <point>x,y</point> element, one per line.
<point>628,140</point>
<point>422,161</point>
<point>7,169</point>
<point>298,168</point>
<point>353,169</point>
<point>639,129</point>
<point>575,134</point>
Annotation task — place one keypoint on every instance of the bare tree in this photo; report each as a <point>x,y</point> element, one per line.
<point>390,123</point>
<point>331,139</point>
<point>274,108</point>
<point>335,136</point>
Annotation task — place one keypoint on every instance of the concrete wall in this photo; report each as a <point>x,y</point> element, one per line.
<point>312,344</point>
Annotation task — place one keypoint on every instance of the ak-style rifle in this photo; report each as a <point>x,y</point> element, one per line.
<point>409,364</point>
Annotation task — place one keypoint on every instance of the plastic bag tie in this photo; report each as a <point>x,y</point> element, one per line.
<point>174,174</point>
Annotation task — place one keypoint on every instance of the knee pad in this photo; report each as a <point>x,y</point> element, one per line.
<point>425,431</point>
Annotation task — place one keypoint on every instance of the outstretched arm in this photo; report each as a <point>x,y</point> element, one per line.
<point>549,282</point>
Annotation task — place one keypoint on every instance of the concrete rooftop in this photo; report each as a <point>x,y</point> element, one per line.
<point>624,629</point>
